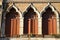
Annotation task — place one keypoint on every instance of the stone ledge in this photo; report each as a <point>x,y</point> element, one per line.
<point>29,38</point>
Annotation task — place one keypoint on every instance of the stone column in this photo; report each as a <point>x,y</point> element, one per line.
<point>29,25</point>
<point>36,26</point>
<point>33,26</point>
<point>3,25</point>
<point>4,7</point>
<point>58,28</point>
<point>21,26</point>
<point>39,26</point>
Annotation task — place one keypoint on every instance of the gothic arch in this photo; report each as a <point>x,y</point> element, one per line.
<point>29,19</point>
<point>17,10</point>
<point>12,22</point>
<point>55,12</point>
<point>35,10</point>
<point>53,9</point>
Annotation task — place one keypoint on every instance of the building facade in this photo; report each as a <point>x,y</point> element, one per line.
<point>30,18</point>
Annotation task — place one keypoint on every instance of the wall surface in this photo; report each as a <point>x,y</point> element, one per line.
<point>23,5</point>
<point>39,6</point>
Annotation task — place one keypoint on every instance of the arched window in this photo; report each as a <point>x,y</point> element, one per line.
<point>12,23</point>
<point>49,21</point>
<point>30,22</point>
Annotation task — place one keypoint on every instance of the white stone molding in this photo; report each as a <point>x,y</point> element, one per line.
<point>32,6</point>
<point>13,6</point>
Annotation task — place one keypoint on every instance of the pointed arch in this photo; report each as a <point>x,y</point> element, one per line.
<point>53,9</point>
<point>12,22</point>
<point>31,20</point>
<point>55,13</point>
<point>17,10</point>
<point>31,6</point>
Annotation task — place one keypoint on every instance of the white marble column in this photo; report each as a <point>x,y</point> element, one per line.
<point>21,26</point>
<point>40,26</point>
<point>58,28</point>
